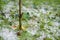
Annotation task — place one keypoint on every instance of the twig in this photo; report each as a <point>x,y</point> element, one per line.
<point>20,15</point>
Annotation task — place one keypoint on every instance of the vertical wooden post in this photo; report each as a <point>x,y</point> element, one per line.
<point>20,15</point>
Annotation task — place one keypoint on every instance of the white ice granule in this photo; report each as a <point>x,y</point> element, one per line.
<point>8,7</point>
<point>33,30</point>
<point>42,36</point>
<point>8,34</point>
<point>43,11</point>
<point>56,24</point>
<point>7,15</point>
